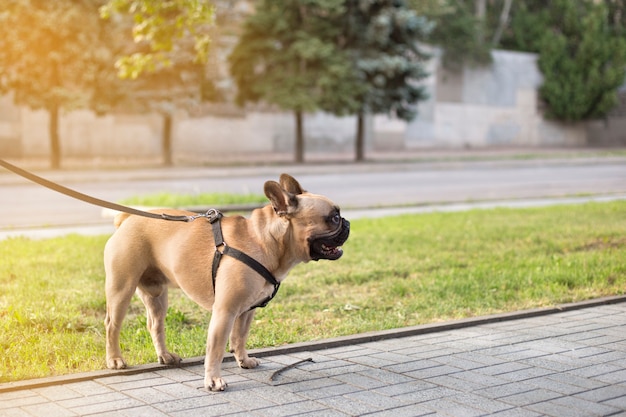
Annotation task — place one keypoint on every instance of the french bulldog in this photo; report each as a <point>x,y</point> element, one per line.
<point>147,256</point>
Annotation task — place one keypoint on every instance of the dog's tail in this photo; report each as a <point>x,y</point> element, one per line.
<point>117,221</point>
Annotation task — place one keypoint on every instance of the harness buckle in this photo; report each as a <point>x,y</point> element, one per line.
<point>213,215</point>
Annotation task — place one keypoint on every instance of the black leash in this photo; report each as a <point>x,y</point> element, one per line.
<point>89,199</point>
<point>215,217</point>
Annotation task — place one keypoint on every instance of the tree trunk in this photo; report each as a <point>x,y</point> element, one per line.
<point>53,132</point>
<point>167,139</point>
<point>504,20</point>
<point>299,151</point>
<point>480,7</point>
<point>360,138</point>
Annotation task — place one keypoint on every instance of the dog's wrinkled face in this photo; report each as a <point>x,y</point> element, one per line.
<point>319,231</point>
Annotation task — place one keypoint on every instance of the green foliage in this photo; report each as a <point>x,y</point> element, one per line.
<point>164,26</point>
<point>285,55</point>
<point>583,61</point>
<point>380,39</point>
<point>457,31</point>
<point>52,55</point>
<point>530,20</point>
<point>46,56</point>
<point>395,272</point>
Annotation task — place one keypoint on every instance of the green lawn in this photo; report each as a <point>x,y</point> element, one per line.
<point>395,272</point>
<point>166,199</point>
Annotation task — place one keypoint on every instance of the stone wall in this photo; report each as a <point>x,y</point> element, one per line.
<point>496,105</point>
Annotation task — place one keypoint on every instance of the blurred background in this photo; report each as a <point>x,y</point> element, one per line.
<point>93,83</point>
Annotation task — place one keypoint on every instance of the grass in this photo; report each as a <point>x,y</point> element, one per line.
<point>166,199</point>
<point>396,271</point>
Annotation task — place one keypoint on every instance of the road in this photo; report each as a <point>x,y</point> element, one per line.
<point>26,205</point>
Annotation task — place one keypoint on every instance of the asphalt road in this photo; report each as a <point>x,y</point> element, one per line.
<point>26,205</point>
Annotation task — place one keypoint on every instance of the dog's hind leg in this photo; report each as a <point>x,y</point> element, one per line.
<point>118,295</point>
<point>238,338</point>
<point>156,309</point>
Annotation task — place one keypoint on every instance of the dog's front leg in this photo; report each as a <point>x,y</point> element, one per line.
<point>238,338</point>
<point>220,326</point>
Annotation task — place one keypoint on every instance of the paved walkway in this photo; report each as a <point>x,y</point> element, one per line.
<point>566,363</point>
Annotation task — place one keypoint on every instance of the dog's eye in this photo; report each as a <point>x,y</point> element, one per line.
<point>335,219</point>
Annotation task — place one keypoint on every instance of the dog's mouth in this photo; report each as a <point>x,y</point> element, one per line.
<point>328,246</point>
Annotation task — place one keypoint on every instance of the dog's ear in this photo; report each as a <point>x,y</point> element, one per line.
<point>282,200</point>
<point>290,184</point>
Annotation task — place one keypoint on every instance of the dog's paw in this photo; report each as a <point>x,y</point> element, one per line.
<point>116,363</point>
<point>215,384</point>
<point>249,363</point>
<point>169,358</point>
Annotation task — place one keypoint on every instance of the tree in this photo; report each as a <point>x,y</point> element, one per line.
<point>460,28</point>
<point>165,65</point>
<point>380,39</point>
<point>285,56</point>
<point>163,26</point>
<point>48,58</point>
<point>583,61</point>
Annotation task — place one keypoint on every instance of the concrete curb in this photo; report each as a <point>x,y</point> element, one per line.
<point>322,344</point>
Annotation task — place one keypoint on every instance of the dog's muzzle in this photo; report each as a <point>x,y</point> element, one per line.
<point>328,246</point>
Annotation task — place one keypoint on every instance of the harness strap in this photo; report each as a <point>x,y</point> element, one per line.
<point>215,217</point>
<point>89,199</point>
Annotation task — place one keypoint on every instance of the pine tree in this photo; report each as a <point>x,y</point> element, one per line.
<point>381,40</point>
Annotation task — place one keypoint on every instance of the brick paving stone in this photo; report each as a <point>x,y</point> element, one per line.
<point>386,376</point>
<point>20,399</point>
<point>481,403</point>
<point>216,410</point>
<point>619,402</point>
<point>48,410</point>
<point>406,411</point>
<point>361,381</point>
<point>329,391</point>
<point>459,362</point>
<point>294,409</point>
<point>347,405</point>
<point>501,369</point>
<point>517,412</point>
<point>149,395</point>
<point>596,369</point>
<point>143,411</point>
<point>430,394</point>
<point>113,405</point>
<point>526,374</point>
<point>552,409</point>
<point>603,394</point>
<point>310,384</point>
<point>588,407</point>
<point>319,413</point>
<point>531,397</point>
<point>433,371</point>
<point>182,390</point>
<point>505,390</point>
<point>192,403</point>
<point>448,407</point>
<point>57,392</point>
<point>375,399</point>
<point>277,396</point>
<point>408,387</point>
<point>363,351</point>
<point>15,412</point>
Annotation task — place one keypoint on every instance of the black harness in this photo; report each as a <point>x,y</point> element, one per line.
<point>214,217</point>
